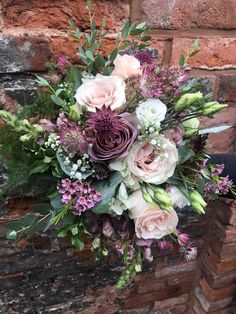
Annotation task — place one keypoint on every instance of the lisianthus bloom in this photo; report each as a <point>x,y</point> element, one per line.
<point>177,197</point>
<point>176,134</point>
<point>111,135</point>
<point>122,200</point>
<point>126,66</point>
<point>71,136</point>
<point>151,112</point>
<point>153,163</point>
<point>101,90</point>
<point>149,220</point>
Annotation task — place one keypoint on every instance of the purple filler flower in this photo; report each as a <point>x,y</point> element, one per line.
<point>110,134</point>
<point>82,195</point>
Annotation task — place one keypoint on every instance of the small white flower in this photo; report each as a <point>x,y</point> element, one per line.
<point>153,142</point>
<point>75,167</point>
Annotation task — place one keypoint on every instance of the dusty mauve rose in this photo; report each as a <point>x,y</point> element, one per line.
<point>101,90</point>
<point>126,66</point>
<point>151,163</point>
<point>175,135</point>
<point>111,134</point>
<point>150,221</point>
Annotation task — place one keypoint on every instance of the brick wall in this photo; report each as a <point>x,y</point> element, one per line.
<point>33,32</point>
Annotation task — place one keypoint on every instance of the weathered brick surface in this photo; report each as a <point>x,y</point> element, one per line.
<point>215,53</point>
<point>178,14</point>
<point>227,88</point>
<point>40,14</point>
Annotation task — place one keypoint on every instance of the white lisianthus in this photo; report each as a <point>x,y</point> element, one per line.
<point>179,200</point>
<point>101,91</point>
<point>121,166</point>
<point>122,201</point>
<point>151,112</point>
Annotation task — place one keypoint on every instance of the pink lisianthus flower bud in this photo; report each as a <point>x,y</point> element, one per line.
<point>147,254</point>
<point>107,229</point>
<point>183,238</point>
<point>62,61</point>
<point>47,125</point>
<point>164,245</point>
<point>142,242</point>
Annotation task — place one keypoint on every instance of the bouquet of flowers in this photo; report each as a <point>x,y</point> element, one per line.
<point>112,149</point>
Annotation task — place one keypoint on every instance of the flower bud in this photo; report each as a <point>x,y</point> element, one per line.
<point>105,252</point>
<point>147,197</point>
<point>107,229</point>
<point>25,138</point>
<point>96,243</point>
<point>191,123</point>
<point>187,100</point>
<point>196,196</point>
<point>161,196</point>
<point>209,104</point>
<point>189,132</point>
<point>38,128</point>
<point>147,254</point>
<point>74,113</point>
<point>198,208</point>
<point>208,112</point>
<point>138,268</point>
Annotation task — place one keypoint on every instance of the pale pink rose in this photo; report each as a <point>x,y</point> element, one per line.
<point>153,164</point>
<point>149,220</point>
<point>126,66</point>
<point>101,90</point>
<point>176,134</point>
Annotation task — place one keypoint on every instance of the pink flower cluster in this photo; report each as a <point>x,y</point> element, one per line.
<point>82,195</point>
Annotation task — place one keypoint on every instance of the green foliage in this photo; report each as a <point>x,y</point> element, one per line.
<point>107,189</point>
<point>185,153</point>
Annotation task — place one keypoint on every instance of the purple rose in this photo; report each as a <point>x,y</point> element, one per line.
<point>110,135</point>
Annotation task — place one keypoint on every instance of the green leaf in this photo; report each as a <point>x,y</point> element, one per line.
<point>185,153</point>
<point>196,44</point>
<point>56,200</point>
<point>39,167</point>
<point>76,76</point>
<point>146,38</point>
<point>72,23</point>
<point>89,55</point>
<point>104,21</point>
<point>107,189</point>
<point>77,242</point>
<point>74,230</point>
<point>182,60</point>
<point>113,55</point>
<point>42,82</point>
<point>43,208</point>
<point>136,32</point>
<point>100,61</point>
<point>61,233</point>
<point>141,25</point>
<point>88,4</point>
<point>58,101</point>
<point>125,30</point>
<point>193,53</point>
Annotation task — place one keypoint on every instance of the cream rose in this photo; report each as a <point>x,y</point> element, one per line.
<point>102,90</point>
<point>151,112</point>
<point>153,164</point>
<point>126,66</point>
<point>149,220</point>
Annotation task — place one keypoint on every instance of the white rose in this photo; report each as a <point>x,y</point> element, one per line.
<point>150,221</point>
<point>126,66</point>
<point>102,90</point>
<point>153,164</point>
<point>151,112</point>
<point>177,197</point>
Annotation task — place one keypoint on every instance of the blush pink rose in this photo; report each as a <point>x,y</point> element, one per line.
<point>176,134</point>
<point>126,66</point>
<point>149,220</point>
<point>153,164</point>
<point>101,90</point>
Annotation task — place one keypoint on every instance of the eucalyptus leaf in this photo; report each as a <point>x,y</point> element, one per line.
<point>185,153</point>
<point>39,167</point>
<point>58,101</point>
<point>216,129</point>
<point>77,242</point>
<point>107,190</point>
<point>43,208</point>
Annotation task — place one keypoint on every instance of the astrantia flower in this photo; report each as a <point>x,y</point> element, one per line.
<point>71,136</point>
<point>189,252</point>
<point>144,57</point>
<point>82,195</point>
<point>150,83</point>
<point>110,134</point>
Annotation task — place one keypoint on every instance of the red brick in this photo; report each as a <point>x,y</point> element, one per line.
<point>151,285</point>
<point>171,302</point>
<point>182,279</point>
<point>227,88</point>
<point>217,294</point>
<point>218,280</point>
<point>224,250</point>
<point>225,233</point>
<point>171,270</point>
<point>215,53</point>
<point>218,265</point>
<point>7,102</point>
<point>21,53</point>
<point>40,14</point>
<point>210,306</point>
<point>226,211</point>
<point>178,14</point>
